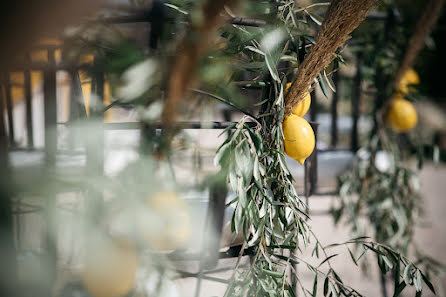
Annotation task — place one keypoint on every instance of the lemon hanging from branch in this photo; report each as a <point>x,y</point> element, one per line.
<point>402,115</point>
<point>299,138</point>
<point>302,107</point>
<point>409,79</point>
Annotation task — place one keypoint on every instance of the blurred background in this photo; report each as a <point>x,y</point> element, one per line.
<point>89,208</point>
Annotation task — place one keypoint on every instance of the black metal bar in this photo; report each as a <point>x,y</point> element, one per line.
<point>313,161</point>
<point>177,125</point>
<point>380,81</point>
<point>7,84</point>
<point>313,107</point>
<point>146,16</point>
<point>356,99</point>
<point>216,211</point>
<point>50,113</point>
<point>3,134</point>
<point>8,255</point>
<point>28,104</point>
<point>334,107</point>
<point>185,274</point>
<point>50,110</point>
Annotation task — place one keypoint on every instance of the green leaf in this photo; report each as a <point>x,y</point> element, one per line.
<point>322,84</point>
<point>359,238</point>
<point>333,290</point>
<point>270,63</point>
<point>397,273</point>
<point>227,129</point>
<point>399,289</point>
<point>261,102</point>
<point>406,274</point>
<point>274,274</point>
<point>329,82</point>
<point>314,18</point>
<point>378,252</point>
<point>237,219</point>
<point>326,259</point>
<point>285,258</point>
<point>315,285</point>
<point>382,265</point>
<point>428,283</point>
<point>388,262</point>
<point>352,256</point>
<point>222,153</point>
<point>337,277</point>
<point>255,50</point>
<point>257,140</point>
<point>418,281</point>
<point>326,286</point>
<point>315,250</point>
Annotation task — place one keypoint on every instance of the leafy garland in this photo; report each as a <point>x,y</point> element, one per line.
<point>382,187</point>
<point>271,215</point>
<point>272,218</point>
<point>268,211</point>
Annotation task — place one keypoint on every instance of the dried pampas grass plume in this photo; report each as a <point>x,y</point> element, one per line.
<point>342,17</point>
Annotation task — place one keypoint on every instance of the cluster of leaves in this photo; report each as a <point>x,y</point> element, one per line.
<point>268,212</point>
<point>383,190</point>
<point>272,218</point>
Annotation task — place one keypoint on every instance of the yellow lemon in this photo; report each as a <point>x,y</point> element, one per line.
<point>110,268</point>
<point>402,115</point>
<point>172,219</point>
<point>299,138</point>
<point>302,107</point>
<point>409,78</point>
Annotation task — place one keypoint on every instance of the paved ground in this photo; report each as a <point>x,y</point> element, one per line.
<point>431,237</point>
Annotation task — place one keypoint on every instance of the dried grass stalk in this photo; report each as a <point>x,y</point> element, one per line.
<point>423,28</point>
<point>341,18</point>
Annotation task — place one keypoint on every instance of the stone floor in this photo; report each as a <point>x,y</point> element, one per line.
<point>431,236</point>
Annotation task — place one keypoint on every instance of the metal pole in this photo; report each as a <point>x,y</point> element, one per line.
<point>8,273</point>
<point>380,81</point>
<point>334,107</point>
<point>28,104</point>
<point>313,158</point>
<point>313,107</point>
<point>50,110</point>
<point>7,85</point>
<point>356,102</point>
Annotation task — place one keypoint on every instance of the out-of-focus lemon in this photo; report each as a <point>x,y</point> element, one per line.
<point>402,115</point>
<point>110,268</point>
<point>172,219</point>
<point>299,138</point>
<point>302,107</point>
<point>409,78</point>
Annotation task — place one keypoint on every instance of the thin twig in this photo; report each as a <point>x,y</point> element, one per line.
<point>225,102</point>
<point>311,6</point>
